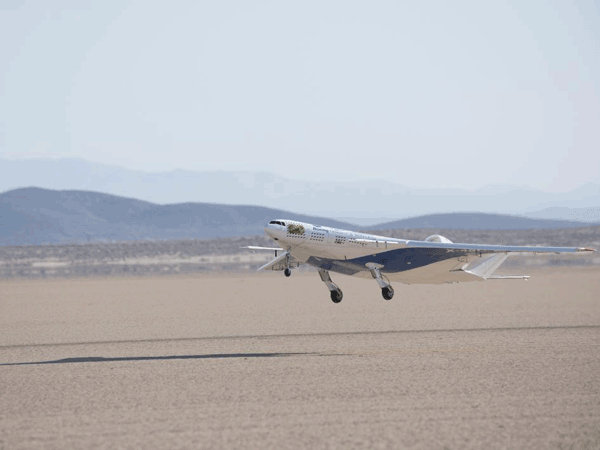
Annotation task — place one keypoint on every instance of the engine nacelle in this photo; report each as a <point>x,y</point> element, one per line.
<point>438,238</point>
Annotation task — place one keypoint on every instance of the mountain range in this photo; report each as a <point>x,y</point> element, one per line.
<point>42,216</point>
<point>361,202</point>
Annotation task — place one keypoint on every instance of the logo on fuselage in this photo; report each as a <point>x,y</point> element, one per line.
<point>295,229</point>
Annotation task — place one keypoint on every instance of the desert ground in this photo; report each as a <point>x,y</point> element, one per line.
<point>262,361</point>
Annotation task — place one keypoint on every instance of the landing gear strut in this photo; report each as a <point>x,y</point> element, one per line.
<point>336,292</point>
<point>287,271</point>
<point>387,292</point>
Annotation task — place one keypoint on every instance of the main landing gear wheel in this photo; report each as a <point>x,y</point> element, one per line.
<point>337,296</point>
<point>287,272</point>
<point>387,293</point>
<point>334,290</point>
<point>384,283</point>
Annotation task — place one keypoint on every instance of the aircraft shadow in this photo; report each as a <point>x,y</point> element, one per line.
<point>96,359</point>
<point>300,335</point>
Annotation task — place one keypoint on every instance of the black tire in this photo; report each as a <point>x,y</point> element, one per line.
<point>336,296</point>
<point>287,272</point>
<point>387,293</point>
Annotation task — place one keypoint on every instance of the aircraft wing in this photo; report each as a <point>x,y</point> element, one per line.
<point>484,248</point>
<point>281,262</point>
<point>467,265</point>
<point>254,247</point>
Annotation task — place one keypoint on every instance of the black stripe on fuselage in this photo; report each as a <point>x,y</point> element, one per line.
<point>393,261</point>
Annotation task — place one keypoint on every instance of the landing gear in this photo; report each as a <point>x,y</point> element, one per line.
<point>337,296</point>
<point>287,271</point>
<point>336,292</point>
<point>387,292</point>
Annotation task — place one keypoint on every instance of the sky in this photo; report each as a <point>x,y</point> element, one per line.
<point>434,94</point>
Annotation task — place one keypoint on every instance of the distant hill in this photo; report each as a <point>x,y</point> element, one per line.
<point>476,221</point>
<point>42,216</point>
<point>578,214</point>
<point>364,201</point>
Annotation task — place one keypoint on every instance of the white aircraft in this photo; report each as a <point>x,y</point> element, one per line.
<point>435,260</point>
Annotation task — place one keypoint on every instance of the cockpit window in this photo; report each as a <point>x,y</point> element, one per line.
<point>277,222</point>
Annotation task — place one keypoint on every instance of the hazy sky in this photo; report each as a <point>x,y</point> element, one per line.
<point>427,94</point>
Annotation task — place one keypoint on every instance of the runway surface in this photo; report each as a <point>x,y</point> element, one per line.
<point>268,362</point>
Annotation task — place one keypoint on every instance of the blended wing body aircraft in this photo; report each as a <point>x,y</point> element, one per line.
<point>435,260</point>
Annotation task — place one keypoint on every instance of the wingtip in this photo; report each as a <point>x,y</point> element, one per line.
<point>584,249</point>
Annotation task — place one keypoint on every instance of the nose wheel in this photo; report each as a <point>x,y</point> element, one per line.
<point>287,271</point>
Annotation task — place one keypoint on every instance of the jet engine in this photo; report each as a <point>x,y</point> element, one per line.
<point>438,238</point>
